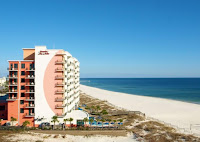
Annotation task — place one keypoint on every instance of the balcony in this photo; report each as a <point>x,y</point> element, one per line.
<point>59,77</point>
<point>60,69</point>
<point>30,84</point>
<point>60,106</point>
<point>30,77</point>
<point>30,106</point>
<point>12,91</point>
<point>60,92</point>
<point>13,69</point>
<point>59,62</point>
<point>13,84</point>
<point>60,115</point>
<point>60,84</point>
<point>60,54</point>
<point>30,91</point>
<point>61,99</point>
<point>12,76</point>
<point>30,69</point>
<point>30,99</point>
<point>11,98</point>
<point>29,115</point>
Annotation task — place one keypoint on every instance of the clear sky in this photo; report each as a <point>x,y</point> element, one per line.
<point>110,38</point>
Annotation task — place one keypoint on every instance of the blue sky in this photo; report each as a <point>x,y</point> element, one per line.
<point>111,38</point>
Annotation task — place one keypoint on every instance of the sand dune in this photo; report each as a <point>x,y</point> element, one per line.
<point>180,114</point>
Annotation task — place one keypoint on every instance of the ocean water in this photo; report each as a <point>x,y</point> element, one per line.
<point>182,89</point>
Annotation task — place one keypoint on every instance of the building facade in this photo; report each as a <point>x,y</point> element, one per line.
<point>42,85</point>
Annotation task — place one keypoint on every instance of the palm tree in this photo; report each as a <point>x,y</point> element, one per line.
<point>70,120</point>
<point>120,120</point>
<point>93,108</point>
<point>102,121</point>
<point>114,122</point>
<point>97,119</point>
<point>104,112</point>
<point>65,120</point>
<point>109,120</point>
<point>98,108</point>
<point>85,120</point>
<point>54,120</point>
<point>91,121</point>
<point>13,119</point>
<point>25,123</point>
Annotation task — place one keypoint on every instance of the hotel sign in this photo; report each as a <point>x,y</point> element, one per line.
<point>43,53</point>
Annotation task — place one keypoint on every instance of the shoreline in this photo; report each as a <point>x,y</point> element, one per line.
<point>176,113</point>
<point>145,96</point>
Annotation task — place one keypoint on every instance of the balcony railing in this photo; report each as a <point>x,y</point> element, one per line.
<point>60,62</point>
<point>60,69</point>
<point>30,84</point>
<point>12,91</point>
<point>30,106</point>
<point>30,77</point>
<point>11,98</point>
<point>61,99</point>
<point>29,115</point>
<point>30,69</point>
<point>60,91</point>
<point>12,76</point>
<point>60,84</point>
<point>58,77</point>
<point>29,99</point>
<point>13,69</point>
<point>60,54</point>
<point>30,91</point>
<point>60,106</point>
<point>13,84</point>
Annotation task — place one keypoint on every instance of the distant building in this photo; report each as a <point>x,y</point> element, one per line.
<point>43,85</point>
<point>2,81</point>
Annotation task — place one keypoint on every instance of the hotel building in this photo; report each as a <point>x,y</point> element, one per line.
<point>44,84</point>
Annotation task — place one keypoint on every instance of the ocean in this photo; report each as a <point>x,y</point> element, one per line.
<point>181,89</point>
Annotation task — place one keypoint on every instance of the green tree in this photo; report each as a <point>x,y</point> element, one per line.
<point>13,119</point>
<point>65,120</point>
<point>54,120</point>
<point>25,123</point>
<point>120,120</point>
<point>114,122</point>
<point>104,112</point>
<point>93,109</point>
<point>70,121</point>
<point>98,108</point>
<point>109,120</point>
<point>102,121</point>
<point>85,120</point>
<point>91,121</point>
<point>97,119</point>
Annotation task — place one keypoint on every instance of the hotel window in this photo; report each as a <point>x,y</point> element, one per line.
<point>23,73</point>
<point>21,102</point>
<point>22,95</point>
<point>15,66</point>
<point>23,66</point>
<point>22,87</point>
<point>22,80</point>
<point>21,110</point>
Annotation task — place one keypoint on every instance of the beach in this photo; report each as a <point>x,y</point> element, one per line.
<point>176,113</point>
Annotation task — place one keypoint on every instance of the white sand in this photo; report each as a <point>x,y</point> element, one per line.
<point>33,137</point>
<point>180,114</point>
